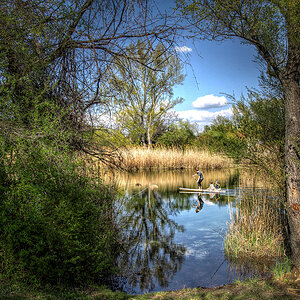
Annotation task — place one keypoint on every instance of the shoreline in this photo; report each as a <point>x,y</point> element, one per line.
<point>286,287</point>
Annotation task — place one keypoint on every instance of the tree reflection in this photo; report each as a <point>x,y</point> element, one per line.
<point>149,238</point>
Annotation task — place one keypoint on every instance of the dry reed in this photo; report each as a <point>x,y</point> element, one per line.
<point>162,158</point>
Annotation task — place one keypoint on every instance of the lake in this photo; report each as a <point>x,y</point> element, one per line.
<point>175,240</point>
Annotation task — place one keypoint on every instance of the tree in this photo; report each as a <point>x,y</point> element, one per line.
<point>254,136</point>
<point>179,135</point>
<point>272,27</point>
<point>59,51</point>
<point>222,135</point>
<point>143,89</point>
<point>55,224</point>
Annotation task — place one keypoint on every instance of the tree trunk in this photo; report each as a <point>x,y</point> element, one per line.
<point>292,164</point>
<point>149,138</point>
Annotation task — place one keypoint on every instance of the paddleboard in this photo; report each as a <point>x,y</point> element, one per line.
<point>201,191</point>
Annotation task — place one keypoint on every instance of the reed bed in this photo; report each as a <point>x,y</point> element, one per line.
<point>162,158</point>
<point>255,229</point>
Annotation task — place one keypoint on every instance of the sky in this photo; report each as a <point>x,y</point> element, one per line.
<point>214,70</point>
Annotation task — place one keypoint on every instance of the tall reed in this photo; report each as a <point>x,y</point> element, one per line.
<point>256,229</point>
<point>163,158</point>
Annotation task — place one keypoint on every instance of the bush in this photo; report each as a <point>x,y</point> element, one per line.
<point>56,225</point>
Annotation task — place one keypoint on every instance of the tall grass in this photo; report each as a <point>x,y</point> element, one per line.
<point>256,229</point>
<point>163,158</point>
<point>281,268</point>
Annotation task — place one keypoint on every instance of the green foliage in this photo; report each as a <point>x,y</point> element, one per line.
<point>223,136</point>
<point>178,135</point>
<point>56,225</point>
<point>27,291</point>
<point>254,136</point>
<point>265,24</point>
<point>262,119</point>
<point>142,90</point>
<point>282,267</point>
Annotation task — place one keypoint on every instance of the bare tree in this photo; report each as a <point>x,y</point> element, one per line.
<point>61,50</point>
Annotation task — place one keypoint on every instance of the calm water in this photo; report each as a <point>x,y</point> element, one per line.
<point>175,241</point>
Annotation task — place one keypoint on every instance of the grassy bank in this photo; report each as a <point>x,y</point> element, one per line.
<point>162,158</point>
<point>286,288</point>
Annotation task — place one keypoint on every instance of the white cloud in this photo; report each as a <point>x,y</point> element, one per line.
<point>197,252</point>
<point>209,101</point>
<point>183,49</point>
<point>203,116</point>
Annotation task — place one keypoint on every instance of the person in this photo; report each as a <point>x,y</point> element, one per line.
<point>199,179</point>
<point>211,196</point>
<point>211,186</point>
<point>218,186</point>
<point>200,203</point>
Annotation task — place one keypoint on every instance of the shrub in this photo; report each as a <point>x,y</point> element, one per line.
<point>56,226</point>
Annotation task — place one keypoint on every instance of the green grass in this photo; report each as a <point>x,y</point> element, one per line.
<point>281,268</point>
<point>286,288</point>
<point>252,289</point>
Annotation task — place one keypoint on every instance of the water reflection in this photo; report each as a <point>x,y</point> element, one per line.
<point>200,203</point>
<point>174,240</point>
<point>152,254</point>
<point>172,180</point>
<point>242,268</point>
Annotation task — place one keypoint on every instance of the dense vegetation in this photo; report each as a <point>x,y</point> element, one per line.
<point>62,65</point>
<point>255,134</point>
<point>57,224</point>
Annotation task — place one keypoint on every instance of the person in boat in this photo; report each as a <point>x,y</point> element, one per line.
<point>199,179</point>
<point>200,203</point>
<point>211,187</point>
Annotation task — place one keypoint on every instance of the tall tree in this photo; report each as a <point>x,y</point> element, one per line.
<point>58,52</point>
<point>272,27</point>
<point>143,89</point>
<point>180,134</point>
<point>55,225</point>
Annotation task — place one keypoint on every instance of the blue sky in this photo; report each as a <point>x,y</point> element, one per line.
<point>214,69</point>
